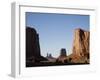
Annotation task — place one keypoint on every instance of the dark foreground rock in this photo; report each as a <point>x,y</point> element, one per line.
<point>33,53</point>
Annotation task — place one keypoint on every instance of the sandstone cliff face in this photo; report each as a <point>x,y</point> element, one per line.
<point>80,53</point>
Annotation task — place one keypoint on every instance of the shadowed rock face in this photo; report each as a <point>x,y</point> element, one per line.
<point>62,56</point>
<point>32,43</point>
<point>63,52</point>
<point>81,46</point>
<point>32,46</point>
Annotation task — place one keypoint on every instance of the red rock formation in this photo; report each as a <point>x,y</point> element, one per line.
<point>80,52</point>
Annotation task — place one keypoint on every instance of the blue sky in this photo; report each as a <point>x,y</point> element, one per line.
<point>56,31</point>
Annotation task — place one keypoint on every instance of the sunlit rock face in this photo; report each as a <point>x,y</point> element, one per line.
<point>80,52</point>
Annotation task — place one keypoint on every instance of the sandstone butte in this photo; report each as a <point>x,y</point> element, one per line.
<point>80,51</point>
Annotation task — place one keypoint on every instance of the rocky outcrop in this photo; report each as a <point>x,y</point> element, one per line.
<point>80,52</point>
<point>33,53</point>
<point>62,56</point>
<point>50,57</point>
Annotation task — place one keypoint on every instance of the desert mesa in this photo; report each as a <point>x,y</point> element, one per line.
<point>80,50</point>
